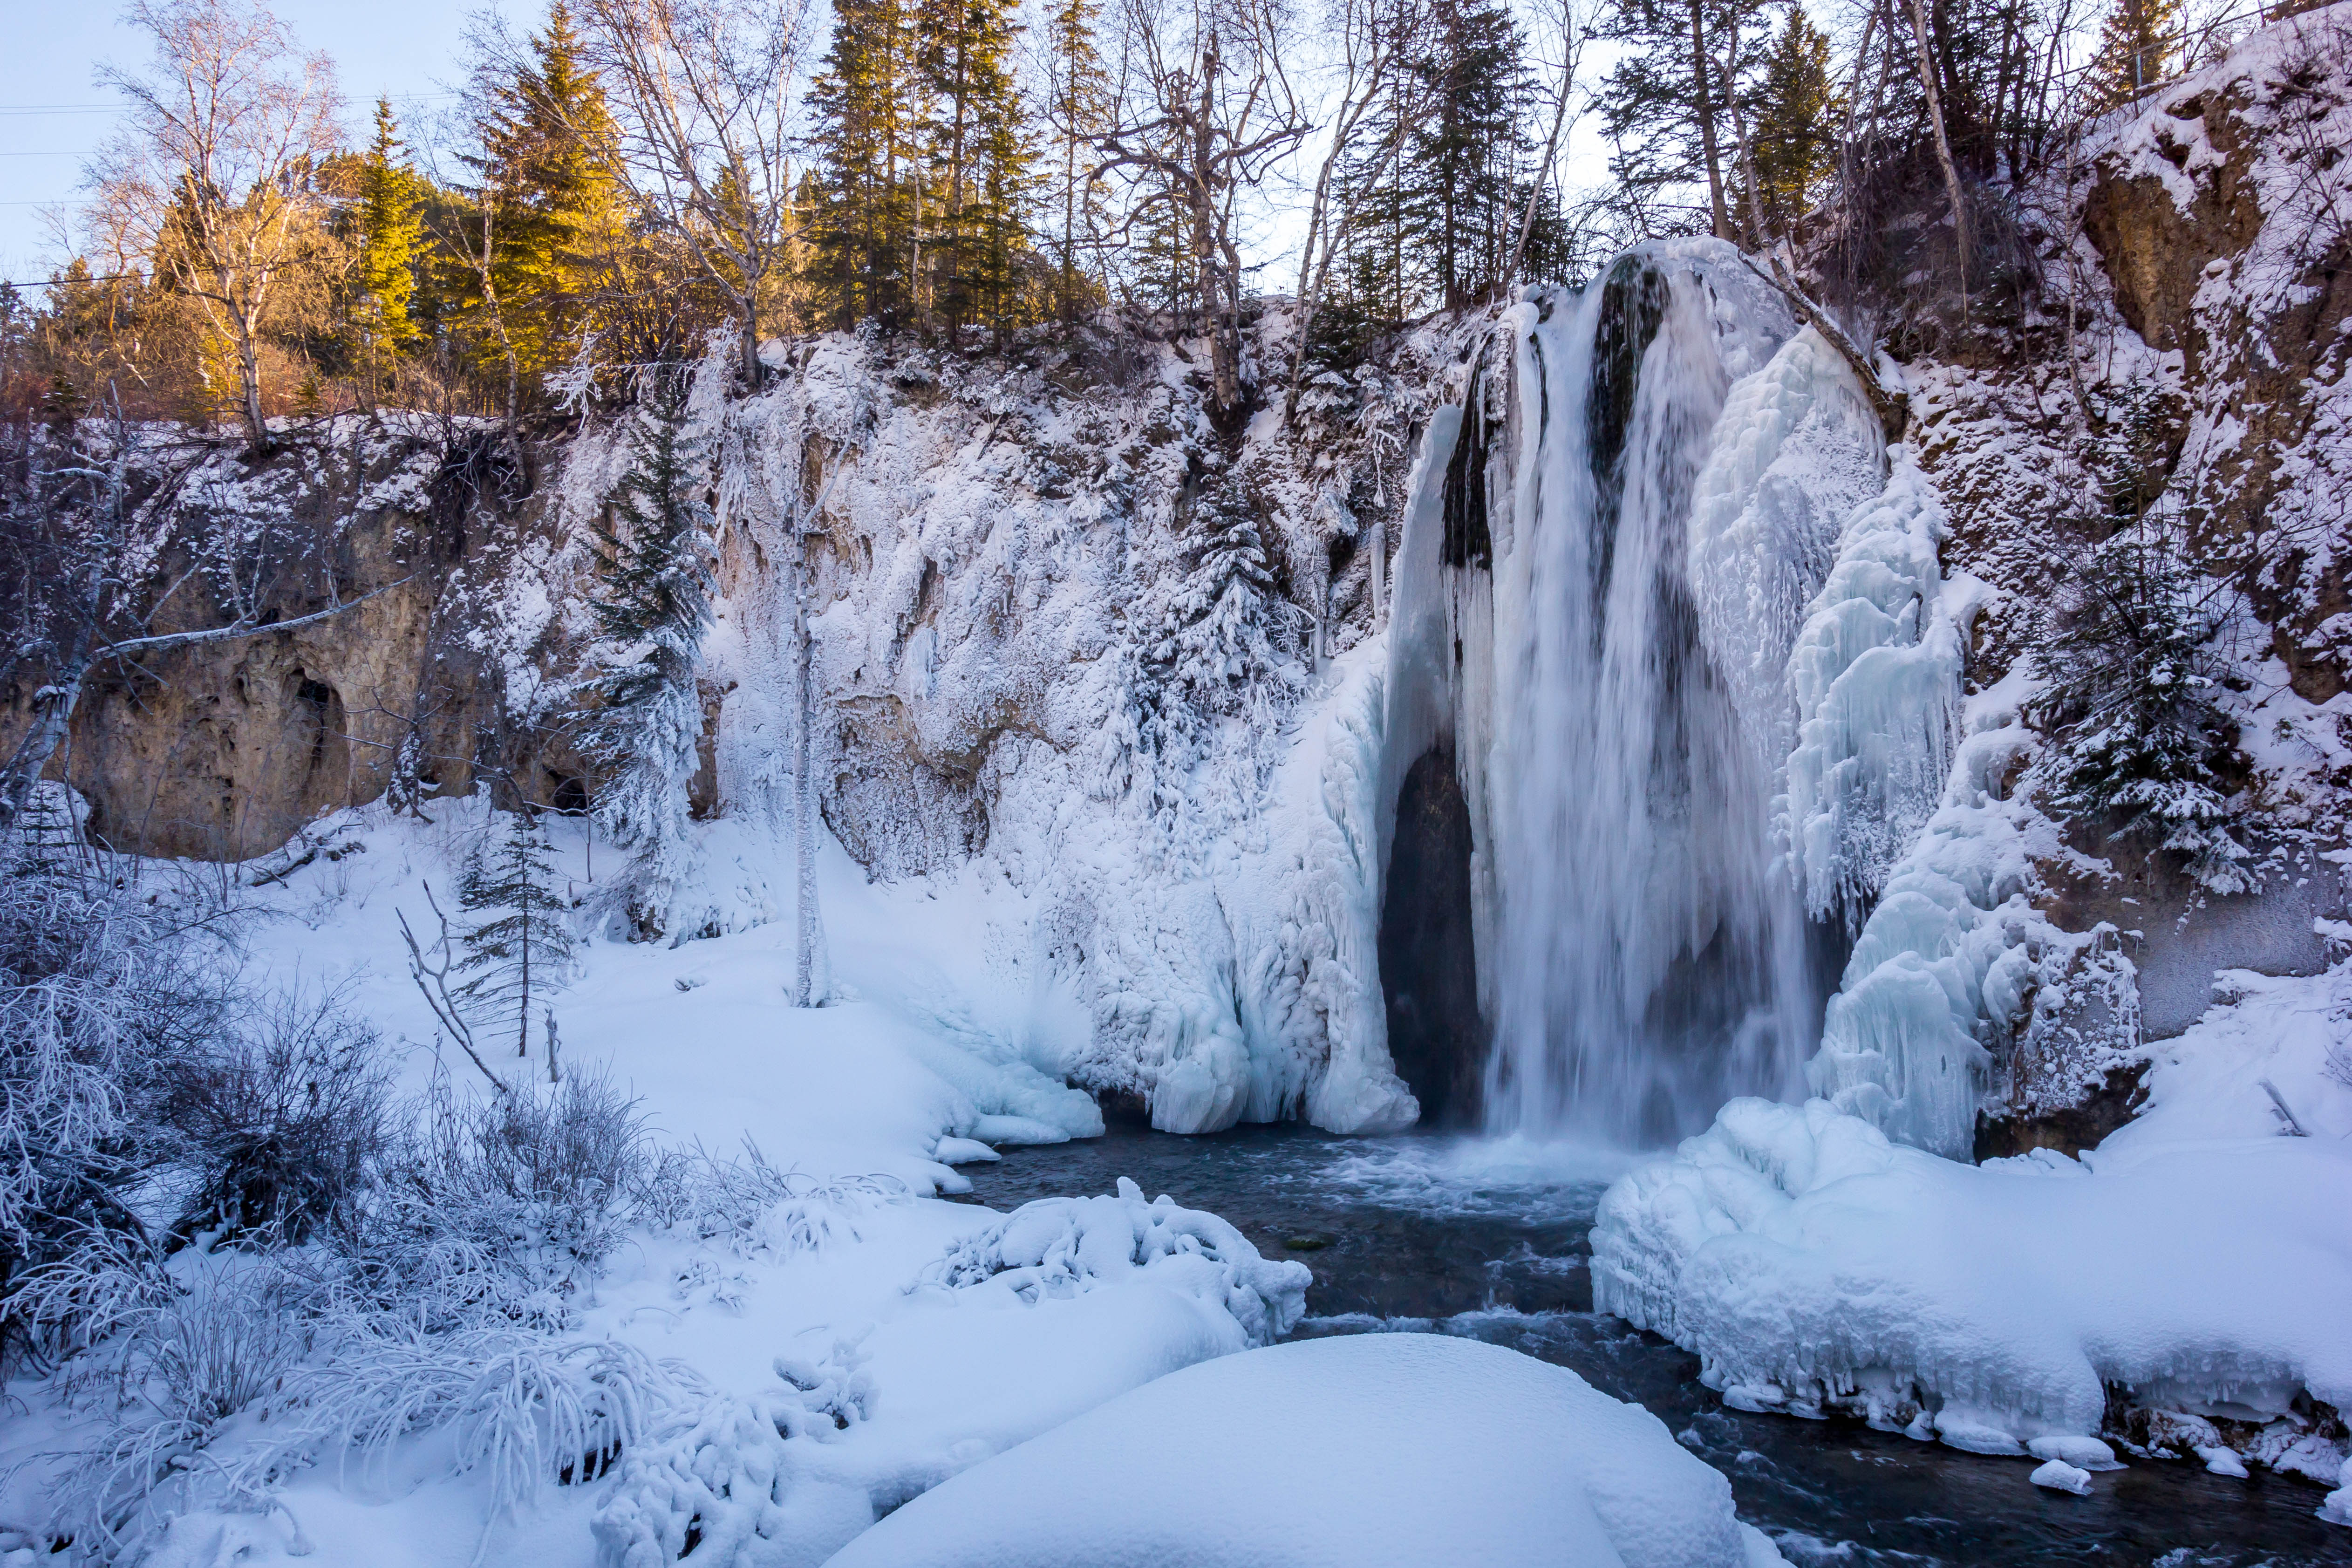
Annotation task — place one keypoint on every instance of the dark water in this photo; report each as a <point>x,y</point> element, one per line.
<point>1398,1237</point>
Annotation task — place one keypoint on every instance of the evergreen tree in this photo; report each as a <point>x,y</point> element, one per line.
<point>1460,187</point>
<point>979,158</point>
<point>2130,669</point>
<point>869,196</point>
<point>655,560</point>
<point>2130,663</point>
<point>1664,106</point>
<point>1794,113</point>
<point>551,200</point>
<point>1077,105</point>
<point>1207,686</point>
<point>522,952</point>
<point>391,229</point>
<point>2137,40</point>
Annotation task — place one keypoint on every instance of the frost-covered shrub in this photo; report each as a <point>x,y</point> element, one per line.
<point>283,1118</point>
<point>756,1208</point>
<point>526,1411</point>
<point>167,1366</point>
<point>719,1488</point>
<point>107,974</point>
<point>499,1211</point>
<point>2130,665</point>
<point>1058,1248</point>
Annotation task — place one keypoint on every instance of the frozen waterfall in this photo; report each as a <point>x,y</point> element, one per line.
<point>1605,573</point>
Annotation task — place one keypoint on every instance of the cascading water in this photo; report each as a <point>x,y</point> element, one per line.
<point>1643,953</point>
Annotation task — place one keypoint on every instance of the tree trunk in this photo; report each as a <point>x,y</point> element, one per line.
<point>803,789</point>
<point>1704,109</point>
<point>1960,227</point>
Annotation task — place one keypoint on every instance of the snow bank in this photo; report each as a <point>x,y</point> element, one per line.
<point>1814,1265</point>
<point>1017,1326</point>
<point>1354,1452</point>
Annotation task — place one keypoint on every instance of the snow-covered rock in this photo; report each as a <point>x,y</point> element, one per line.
<point>1404,1450</point>
<point>1059,1248</point>
<point>1812,1265</point>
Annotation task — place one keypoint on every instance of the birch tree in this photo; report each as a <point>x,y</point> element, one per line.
<point>210,176</point>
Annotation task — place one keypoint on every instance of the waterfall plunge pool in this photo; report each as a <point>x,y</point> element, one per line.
<point>1488,1238</point>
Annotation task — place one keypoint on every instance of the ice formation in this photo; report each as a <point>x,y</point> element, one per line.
<point>1954,958</point>
<point>988,580</point>
<point>1454,1451</point>
<point>1876,676</point>
<point>1814,1265</point>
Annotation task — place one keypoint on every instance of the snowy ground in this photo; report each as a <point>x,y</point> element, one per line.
<point>928,1044</point>
<point>2179,1288</point>
<point>863,1341</point>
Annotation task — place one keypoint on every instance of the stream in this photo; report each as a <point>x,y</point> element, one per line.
<point>1429,1232</point>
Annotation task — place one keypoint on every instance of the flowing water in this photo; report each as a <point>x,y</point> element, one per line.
<point>1469,1237</point>
<point>1651,959</point>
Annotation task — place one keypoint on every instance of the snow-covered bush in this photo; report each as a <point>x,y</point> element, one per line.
<point>107,972</point>
<point>498,1210</point>
<point>283,1118</point>
<point>525,1410</point>
<point>2131,667</point>
<point>718,1489</point>
<point>167,1367</point>
<point>756,1208</point>
<point>1059,1248</point>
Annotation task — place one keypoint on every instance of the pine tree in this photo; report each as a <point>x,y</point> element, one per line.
<point>1461,155</point>
<point>1077,105</point>
<point>654,561</point>
<point>2130,664</point>
<point>2136,47</point>
<point>552,202</point>
<point>869,193</point>
<point>1794,110</point>
<point>522,952</point>
<point>1664,106</point>
<point>391,229</point>
<point>984,163</point>
<point>1209,683</point>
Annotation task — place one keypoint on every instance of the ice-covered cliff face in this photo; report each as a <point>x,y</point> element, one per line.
<point>1073,639</point>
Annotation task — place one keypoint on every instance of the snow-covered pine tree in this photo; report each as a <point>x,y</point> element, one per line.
<point>2130,663</point>
<point>521,953</point>
<point>1209,686</point>
<point>654,557</point>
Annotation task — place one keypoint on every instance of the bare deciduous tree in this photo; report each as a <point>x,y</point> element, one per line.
<point>210,176</point>
<point>707,92</point>
<point>1212,112</point>
<point>1371,41</point>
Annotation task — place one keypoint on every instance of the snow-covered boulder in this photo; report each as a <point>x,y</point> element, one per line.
<point>1405,1449</point>
<point>1058,1248</point>
<point>1814,1265</point>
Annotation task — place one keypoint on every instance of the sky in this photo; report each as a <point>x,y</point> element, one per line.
<point>53,112</point>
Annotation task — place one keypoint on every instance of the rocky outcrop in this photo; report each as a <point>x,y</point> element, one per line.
<point>225,749</point>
